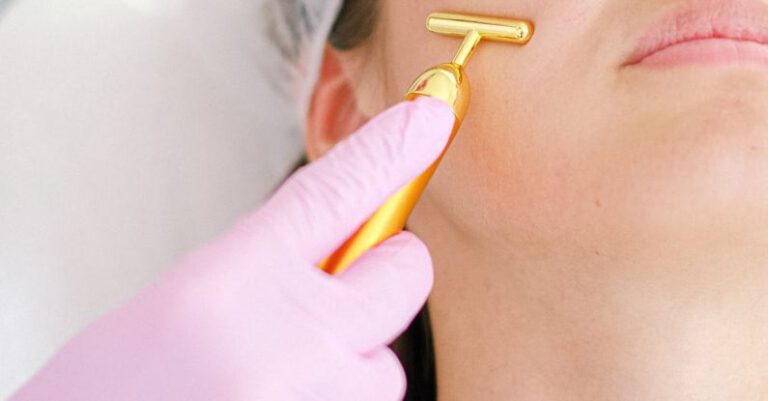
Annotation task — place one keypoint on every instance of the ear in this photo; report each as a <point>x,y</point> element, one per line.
<point>333,113</point>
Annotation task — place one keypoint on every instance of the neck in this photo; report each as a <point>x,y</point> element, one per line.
<point>667,322</point>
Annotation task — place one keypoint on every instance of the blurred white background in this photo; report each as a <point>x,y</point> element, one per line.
<point>130,132</point>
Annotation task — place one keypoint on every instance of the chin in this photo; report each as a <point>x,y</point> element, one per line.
<point>705,174</point>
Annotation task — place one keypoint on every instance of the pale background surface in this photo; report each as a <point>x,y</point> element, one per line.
<point>130,131</point>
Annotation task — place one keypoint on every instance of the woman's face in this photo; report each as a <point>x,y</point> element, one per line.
<point>567,151</point>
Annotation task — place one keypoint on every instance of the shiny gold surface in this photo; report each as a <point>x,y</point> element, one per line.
<point>446,82</point>
<point>496,29</point>
<point>467,48</point>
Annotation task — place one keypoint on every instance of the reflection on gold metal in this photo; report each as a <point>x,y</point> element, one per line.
<point>446,82</point>
<point>498,29</point>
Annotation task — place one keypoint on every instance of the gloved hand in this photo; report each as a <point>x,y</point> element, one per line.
<point>250,317</point>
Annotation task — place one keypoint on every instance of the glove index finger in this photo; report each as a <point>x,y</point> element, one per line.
<point>324,202</point>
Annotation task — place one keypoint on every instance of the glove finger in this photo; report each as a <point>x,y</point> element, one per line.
<point>376,376</point>
<point>374,301</point>
<point>323,203</point>
<point>384,380</point>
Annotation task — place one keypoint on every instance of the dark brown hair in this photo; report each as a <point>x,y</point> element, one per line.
<point>354,25</point>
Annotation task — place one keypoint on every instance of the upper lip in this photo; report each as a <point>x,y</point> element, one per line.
<point>744,20</point>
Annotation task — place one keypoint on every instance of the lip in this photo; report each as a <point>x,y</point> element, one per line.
<point>707,32</point>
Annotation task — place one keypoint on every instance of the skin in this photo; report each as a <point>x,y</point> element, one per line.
<point>598,231</point>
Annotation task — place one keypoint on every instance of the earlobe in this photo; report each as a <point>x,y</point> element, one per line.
<point>333,112</point>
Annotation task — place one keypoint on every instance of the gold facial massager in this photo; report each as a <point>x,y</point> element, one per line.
<point>446,82</point>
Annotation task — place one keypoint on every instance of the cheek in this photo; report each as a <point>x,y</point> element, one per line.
<point>529,165</point>
<point>515,180</point>
<point>523,168</point>
<point>550,172</point>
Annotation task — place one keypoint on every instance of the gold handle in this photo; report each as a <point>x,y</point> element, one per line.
<point>447,83</point>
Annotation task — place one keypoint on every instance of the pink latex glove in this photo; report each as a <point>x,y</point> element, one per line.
<point>250,317</point>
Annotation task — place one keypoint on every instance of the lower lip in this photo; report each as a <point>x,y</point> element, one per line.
<point>709,51</point>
